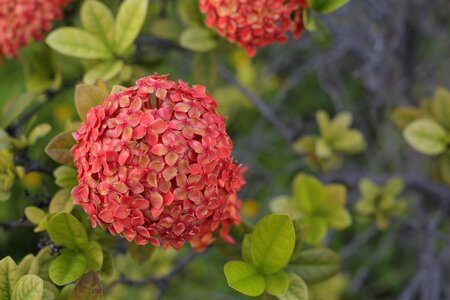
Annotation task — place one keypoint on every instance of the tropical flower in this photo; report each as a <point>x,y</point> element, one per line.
<point>23,21</point>
<point>254,23</point>
<point>154,165</point>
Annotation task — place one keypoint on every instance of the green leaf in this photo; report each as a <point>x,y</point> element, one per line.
<point>441,106</point>
<point>34,214</point>
<point>297,289</point>
<point>285,205</point>
<point>305,145</point>
<point>246,248</point>
<point>309,21</point>
<point>51,292</point>
<point>129,21</point>
<point>88,96</point>
<point>394,186</point>
<point>8,277</point>
<point>65,230</point>
<point>106,71</point>
<point>322,149</point>
<point>368,188</point>
<point>323,120</point>
<point>350,142</point>
<point>315,265</point>
<point>15,107</point>
<point>309,193</point>
<point>273,241</point>
<point>88,288</point>
<point>94,254</point>
<point>140,254</point>
<point>189,12</point>
<point>244,278</point>
<point>59,148</point>
<point>277,283</point>
<point>336,196</point>
<point>67,267</point>
<point>65,177</point>
<point>315,229</point>
<point>28,265</point>
<point>38,132</point>
<point>197,39</point>
<point>426,136</point>
<point>29,287</point>
<point>98,20</point>
<point>107,265</point>
<point>341,123</point>
<point>66,292</point>
<point>328,6</point>
<point>61,201</point>
<point>339,219</point>
<point>79,43</point>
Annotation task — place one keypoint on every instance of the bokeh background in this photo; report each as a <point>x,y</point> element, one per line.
<point>373,57</point>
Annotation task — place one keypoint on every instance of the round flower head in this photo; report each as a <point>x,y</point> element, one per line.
<point>254,23</point>
<point>154,165</point>
<point>22,21</point>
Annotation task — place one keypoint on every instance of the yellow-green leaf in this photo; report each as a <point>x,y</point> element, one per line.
<point>8,277</point>
<point>426,136</point>
<point>34,214</point>
<point>29,287</point>
<point>67,267</point>
<point>105,71</point>
<point>129,21</point>
<point>97,18</point>
<point>272,244</point>
<point>79,43</point>
<point>197,39</point>
<point>244,278</point>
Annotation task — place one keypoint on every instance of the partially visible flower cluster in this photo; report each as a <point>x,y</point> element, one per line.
<point>22,21</point>
<point>154,165</point>
<point>255,23</point>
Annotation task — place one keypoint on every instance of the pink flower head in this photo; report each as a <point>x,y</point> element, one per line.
<point>154,165</point>
<point>22,21</point>
<point>254,23</point>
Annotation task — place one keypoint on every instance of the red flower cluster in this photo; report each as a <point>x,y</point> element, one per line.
<point>154,165</point>
<point>22,21</point>
<point>254,23</point>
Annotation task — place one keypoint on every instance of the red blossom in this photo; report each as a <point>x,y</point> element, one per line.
<point>254,23</point>
<point>23,21</point>
<point>154,165</point>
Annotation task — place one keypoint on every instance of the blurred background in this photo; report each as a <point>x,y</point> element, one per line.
<point>368,58</point>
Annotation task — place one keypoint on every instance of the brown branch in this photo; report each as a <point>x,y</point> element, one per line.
<point>260,105</point>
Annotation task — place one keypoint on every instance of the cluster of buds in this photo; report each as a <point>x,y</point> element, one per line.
<point>255,23</point>
<point>23,21</point>
<point>154,165</point>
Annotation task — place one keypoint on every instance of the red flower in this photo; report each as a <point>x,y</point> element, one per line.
<point>22,21</point>
<point>154,165</point>
<point>254,23</point>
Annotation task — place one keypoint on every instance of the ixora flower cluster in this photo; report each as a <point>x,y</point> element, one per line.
<point>254,23</point>
<point>154,165</point>
<point>22,21</point>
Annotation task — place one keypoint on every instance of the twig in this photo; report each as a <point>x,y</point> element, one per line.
<point>359,241</point>
<point>263,108</point>
<point>22,223</point>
